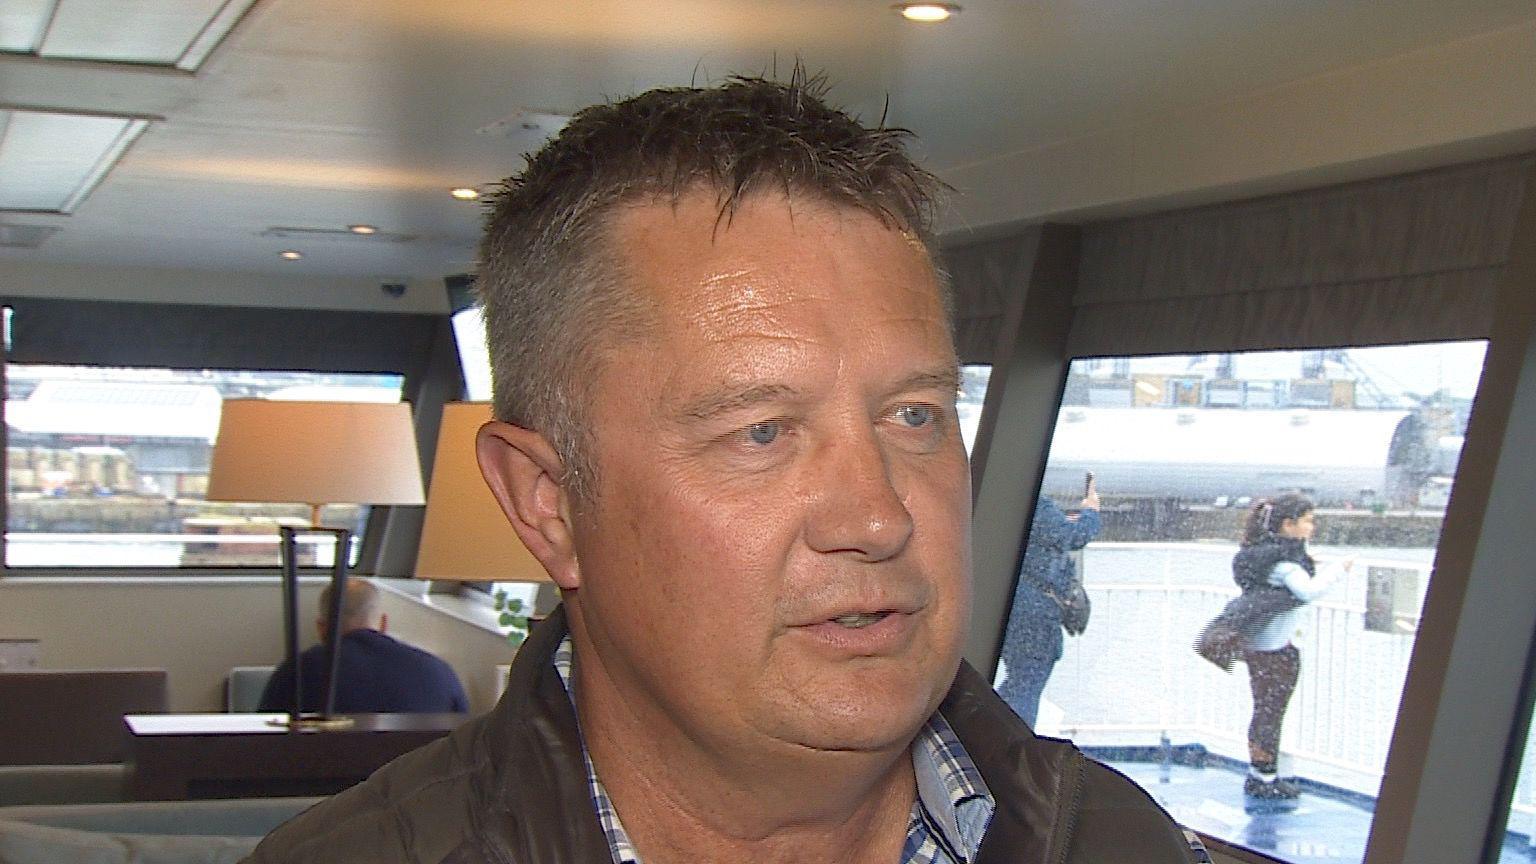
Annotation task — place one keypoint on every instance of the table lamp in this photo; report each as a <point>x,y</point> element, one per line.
<point>465,536</point>
<point>315,453</point>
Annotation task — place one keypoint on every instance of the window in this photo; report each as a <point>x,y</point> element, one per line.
<point>106,467</point>
<point>973,392</point>
<point>474,356</point>
<point>1520,829</point>
<point>1182,449</point>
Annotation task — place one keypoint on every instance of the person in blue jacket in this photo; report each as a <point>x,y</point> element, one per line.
<point>378,674</point>
<point>1033,641</point>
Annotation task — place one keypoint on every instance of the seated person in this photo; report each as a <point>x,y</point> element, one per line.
<point>377,673</point>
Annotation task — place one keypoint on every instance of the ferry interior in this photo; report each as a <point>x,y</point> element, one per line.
<point>1208,253</point>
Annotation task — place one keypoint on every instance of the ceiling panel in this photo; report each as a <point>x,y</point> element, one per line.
<point>50,162</point>
<point>22,23</point>
<point>129,31</point>
<point>324,113</point>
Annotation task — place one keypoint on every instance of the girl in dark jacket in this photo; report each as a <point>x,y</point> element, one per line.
<point>1274,557</point>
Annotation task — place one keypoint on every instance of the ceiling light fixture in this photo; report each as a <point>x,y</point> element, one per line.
<point>927,13</point>
<point>525,122</point>
<point>363,229</point>
<point>290,255</point>
<point>465,193</point>
<point>303,236</point>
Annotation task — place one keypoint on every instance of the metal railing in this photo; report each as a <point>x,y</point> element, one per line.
<point>1134,673</point>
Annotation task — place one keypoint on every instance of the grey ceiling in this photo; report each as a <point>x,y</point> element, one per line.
<point>321,113</point>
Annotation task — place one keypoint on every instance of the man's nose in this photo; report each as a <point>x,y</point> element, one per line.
<point>855,507</point>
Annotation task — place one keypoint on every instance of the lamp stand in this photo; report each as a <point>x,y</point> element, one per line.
<point>297,718</point>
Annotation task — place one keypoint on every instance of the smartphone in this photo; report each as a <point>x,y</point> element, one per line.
<point>1087,484</point>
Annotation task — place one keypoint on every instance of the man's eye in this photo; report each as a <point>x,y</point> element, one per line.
<point>915,416</point>
<point>763,433</point>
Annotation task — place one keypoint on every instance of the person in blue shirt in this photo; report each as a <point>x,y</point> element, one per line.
<point>1033,641</point>
<point>378,674</point>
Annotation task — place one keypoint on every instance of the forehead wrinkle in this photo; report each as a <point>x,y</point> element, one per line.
<point>746,303</point>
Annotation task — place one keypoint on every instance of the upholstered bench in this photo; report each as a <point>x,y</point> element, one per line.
<point>148,832</point>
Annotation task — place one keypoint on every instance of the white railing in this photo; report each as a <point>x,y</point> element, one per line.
<point>1134,674</point>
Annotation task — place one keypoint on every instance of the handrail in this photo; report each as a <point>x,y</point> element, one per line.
<point>1339,725</point>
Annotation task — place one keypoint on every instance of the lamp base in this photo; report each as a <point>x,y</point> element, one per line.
<point>313,723</point>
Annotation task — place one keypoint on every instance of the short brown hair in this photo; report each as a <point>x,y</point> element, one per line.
<point>551,290</point>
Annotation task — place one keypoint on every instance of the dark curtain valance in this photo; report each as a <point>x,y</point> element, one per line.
<point>982,276</point>
<point>1402,259</point>
<point>179,336</point>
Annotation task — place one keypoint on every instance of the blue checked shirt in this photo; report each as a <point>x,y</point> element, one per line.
<point>948,819</point>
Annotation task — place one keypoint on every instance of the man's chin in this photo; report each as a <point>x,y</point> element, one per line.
<point>866,721</point>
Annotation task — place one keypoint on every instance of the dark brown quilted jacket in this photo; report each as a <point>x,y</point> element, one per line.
<point>510,788</point>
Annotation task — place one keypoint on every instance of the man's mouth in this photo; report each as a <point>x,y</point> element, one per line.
<point>860,619</point>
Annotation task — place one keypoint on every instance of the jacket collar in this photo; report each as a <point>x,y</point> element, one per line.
<point>1036,782</point>
<point>536,805</point>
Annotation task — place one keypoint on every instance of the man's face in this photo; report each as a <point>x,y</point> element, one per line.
<point>777,554</point>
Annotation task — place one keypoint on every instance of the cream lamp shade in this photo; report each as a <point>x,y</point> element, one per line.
<point>465,535</point>
<point>315,453</point>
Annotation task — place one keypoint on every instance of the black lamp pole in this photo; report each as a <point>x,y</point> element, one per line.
<point>289,546</point>
<point>333,618</point>
<point>326,719</point>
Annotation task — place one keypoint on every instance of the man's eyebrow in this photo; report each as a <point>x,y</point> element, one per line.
<point>947,379</point>
<point>726,400</point>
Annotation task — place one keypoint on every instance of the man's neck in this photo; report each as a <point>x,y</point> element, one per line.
<point>679,803</point>
<point>701,816</point>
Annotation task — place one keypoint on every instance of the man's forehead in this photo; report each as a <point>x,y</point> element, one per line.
<point>772,251</point>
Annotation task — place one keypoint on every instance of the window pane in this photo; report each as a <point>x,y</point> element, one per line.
<point>1520,830</point>
<point>1183,449</point>
<point>973,392</point>
<point>108,467</point>
<point>474,357</point>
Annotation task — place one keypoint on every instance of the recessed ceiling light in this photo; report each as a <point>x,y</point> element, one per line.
<point>927,13</point>
<point>290,255</point>
<point>465,193</point>
<point>363,229</point>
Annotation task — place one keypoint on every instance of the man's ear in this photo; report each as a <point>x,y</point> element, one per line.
<point>524,474</point>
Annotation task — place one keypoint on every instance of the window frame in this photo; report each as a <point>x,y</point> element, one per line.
<point>1446,764</point>
<point>416,346</point>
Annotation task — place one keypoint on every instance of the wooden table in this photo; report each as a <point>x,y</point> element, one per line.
<point>183,756</point>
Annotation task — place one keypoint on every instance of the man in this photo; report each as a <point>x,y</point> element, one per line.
<point>377,673</point>
<point>1033,641</point>
<point>726,386</point>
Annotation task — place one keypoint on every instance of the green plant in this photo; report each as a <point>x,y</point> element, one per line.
<point>512,616</point>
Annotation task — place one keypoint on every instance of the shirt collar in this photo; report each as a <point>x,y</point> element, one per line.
<point>950,790</point>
